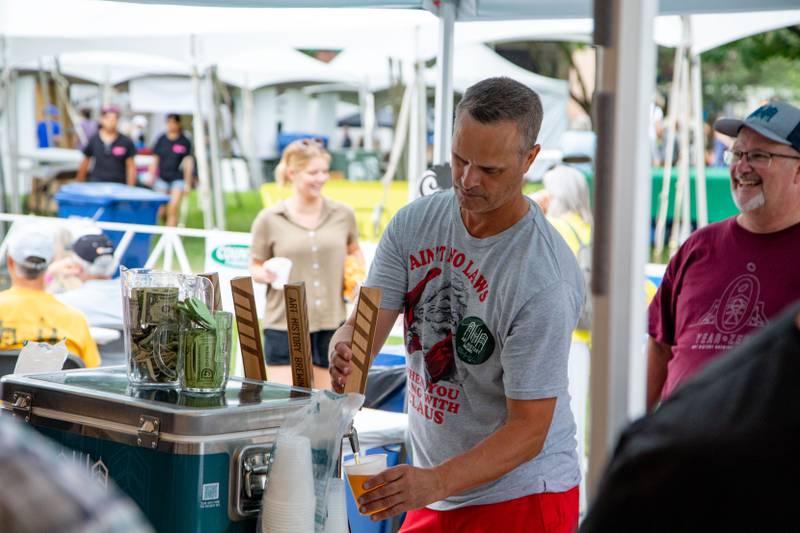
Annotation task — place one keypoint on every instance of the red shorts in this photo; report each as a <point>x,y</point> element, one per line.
<point>550,512</point>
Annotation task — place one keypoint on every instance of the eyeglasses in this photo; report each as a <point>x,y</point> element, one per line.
<point>756,158</point>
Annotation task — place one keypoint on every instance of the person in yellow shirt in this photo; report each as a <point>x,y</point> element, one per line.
<point>28,313</point>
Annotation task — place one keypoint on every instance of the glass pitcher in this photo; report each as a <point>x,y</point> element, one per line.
<point>151,321</point>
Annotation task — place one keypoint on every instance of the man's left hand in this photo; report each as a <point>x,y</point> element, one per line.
<point>404,488</point>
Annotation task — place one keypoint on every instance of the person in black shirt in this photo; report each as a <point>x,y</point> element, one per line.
<point>172,159</point>
<point>112,153</point>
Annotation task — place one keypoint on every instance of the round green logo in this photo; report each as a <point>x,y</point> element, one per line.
<point>232,255</point>
<point>474,341</point>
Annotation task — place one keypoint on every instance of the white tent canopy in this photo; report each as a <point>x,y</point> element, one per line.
<point>109,67</point>
<point>472,63</point>
<point>711,31</point>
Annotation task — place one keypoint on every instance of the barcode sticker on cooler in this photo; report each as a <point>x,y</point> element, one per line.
<point>210,491</point>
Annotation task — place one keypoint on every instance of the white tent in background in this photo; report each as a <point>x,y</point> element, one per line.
<point>277,65</point>
<point>712,30</point>
<point>472,63</point>
<point>109,67</point>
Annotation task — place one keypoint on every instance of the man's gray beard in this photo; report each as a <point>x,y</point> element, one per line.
<point>751,204</point>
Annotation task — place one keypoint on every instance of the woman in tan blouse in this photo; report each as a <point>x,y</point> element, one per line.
<point>316,234</point>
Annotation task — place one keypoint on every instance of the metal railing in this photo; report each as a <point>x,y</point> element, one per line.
<point>169,245</point>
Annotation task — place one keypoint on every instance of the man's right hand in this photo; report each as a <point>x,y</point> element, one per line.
<point>340,367</point>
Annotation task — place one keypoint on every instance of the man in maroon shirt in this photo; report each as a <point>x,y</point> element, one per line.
<point>731,277</point>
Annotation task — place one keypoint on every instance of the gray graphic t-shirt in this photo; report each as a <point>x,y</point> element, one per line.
<point>485,320</point>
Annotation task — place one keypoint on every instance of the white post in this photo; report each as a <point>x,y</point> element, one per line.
<point>107,89</point>
<point>417,142</point>
<point>682,188</point>
<point>669,151</point>
<point>13,145</point>
<point>443,128</point>
<point>201,157</point>
<point>248,137</point>
<point>624,30</point>
<point>701,199</point>
<point>213,143</point>
<point>44,87</point>
<point>368,117</point>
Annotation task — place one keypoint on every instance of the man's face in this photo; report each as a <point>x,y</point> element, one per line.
<point>173,126</point>
<point>109,121</point>
<point>765,191</point>
<point>488,165</point>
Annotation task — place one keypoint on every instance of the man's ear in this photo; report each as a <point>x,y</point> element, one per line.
<point>531,156</point>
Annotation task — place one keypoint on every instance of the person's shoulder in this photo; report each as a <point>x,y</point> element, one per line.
<point>270,212</point>
<point>701,236</point>
<point>124,139</point>
<point>338,207</point>
<point>7,296</point>
<point>436,202</point>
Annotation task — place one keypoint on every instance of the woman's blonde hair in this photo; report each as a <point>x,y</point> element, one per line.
<point>297,155</point>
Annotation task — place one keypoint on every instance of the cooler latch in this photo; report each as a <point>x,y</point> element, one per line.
<point>23,403</point>
<point>148,431</point>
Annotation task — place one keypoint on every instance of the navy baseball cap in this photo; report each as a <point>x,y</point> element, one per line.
<point>90,247</point>
<point>777,121</point>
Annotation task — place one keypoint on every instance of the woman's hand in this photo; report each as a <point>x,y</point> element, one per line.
<point>262,274</point>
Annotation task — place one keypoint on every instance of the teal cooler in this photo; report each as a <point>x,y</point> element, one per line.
<point>114,202</point>
<point>191,463</point>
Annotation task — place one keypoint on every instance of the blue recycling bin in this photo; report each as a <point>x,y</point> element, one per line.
<point>284,139</point>
<point>114,202</point>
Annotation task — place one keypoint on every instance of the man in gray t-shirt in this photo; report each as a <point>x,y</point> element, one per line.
<point>490,294</point>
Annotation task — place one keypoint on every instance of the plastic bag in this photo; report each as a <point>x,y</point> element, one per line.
<point>324,422</point>
<point>41,357</point>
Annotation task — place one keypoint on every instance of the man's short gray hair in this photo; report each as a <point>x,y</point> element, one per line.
<point>27,272</point>
<point>503,99</point>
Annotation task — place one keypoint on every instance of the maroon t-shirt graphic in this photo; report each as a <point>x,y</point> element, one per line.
<point>723,283</point>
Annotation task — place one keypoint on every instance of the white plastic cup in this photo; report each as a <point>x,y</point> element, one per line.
<point>337,507</point>
<point>291,478</point>
<point>282,266</point>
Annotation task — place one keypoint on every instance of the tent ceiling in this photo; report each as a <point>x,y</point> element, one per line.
<point>504,9</point>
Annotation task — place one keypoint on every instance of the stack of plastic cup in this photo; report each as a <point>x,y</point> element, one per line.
<point>289,502</point>
<point>337,507</point>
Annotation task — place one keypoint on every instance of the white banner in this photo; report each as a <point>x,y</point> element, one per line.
<point>228,254</point>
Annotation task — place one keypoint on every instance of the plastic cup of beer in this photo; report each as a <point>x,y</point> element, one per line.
<point>358,473</point>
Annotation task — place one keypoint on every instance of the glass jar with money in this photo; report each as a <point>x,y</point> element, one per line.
<point>151,316</point>
<point>204,347</point>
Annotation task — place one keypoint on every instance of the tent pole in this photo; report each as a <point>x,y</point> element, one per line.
<point>201,157</point>
<point>368,117</point>
<point>416,132</point>
<point>248,139</point>
<point>682,197</point>
<point>13,145</point>
<point>624,33</point>
<point>62,88</point>
<point>44,86</point>
<point>669,152</point>
<point>213,143</point>
<point>443,129</point>
<point>4,135</point>
<point>701,199</point>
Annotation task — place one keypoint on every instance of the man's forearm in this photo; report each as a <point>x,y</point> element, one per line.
<point>508,447</point>
<point>658,356</point>
<point>83,169</point>
<point>131,174</point>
